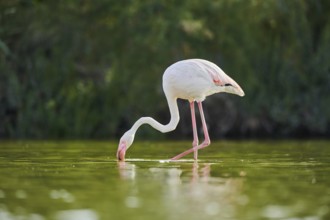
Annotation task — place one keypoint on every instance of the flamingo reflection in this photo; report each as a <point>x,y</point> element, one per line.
<point>189,186</point>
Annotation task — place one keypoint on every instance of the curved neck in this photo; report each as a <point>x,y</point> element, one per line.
<point>173,106</point>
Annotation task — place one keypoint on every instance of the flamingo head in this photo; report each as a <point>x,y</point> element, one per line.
<point>125,142</point>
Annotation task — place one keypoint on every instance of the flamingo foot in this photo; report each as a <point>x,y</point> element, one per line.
<point>194,149</point>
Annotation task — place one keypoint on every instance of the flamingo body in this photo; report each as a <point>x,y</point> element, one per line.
<point>193,80</point>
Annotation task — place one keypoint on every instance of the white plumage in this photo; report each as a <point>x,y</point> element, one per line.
<point>193,80</point>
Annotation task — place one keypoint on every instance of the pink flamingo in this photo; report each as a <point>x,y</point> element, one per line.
<point>193,80</point>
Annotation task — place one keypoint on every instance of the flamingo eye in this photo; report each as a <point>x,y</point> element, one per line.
<point>228,84</point>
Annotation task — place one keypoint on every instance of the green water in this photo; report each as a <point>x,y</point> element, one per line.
<point>232,180</point>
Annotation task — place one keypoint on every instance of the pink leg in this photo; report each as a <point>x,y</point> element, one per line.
<point>205,143</point>
<point>193,120</point>
<point>207,140</point>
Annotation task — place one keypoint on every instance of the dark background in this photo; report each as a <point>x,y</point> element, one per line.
<point>90,69</point>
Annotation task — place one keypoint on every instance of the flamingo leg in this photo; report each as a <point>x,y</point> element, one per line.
<point>206,141</point>
<point>194,127</point>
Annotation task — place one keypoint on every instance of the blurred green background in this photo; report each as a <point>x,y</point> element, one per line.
<point>89,69</point>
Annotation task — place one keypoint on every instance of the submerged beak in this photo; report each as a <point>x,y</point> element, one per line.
<point>121,151</point>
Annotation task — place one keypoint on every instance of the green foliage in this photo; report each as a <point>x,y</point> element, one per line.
<point>89,69</point>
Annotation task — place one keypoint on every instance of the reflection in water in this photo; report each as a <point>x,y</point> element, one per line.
<point>189,189</point>
<point>79,214</point>
<point>126,170</point>
<point>62,194</point>
<point>6,215</point>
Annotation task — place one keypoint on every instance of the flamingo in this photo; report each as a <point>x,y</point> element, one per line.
<point>192,80</point>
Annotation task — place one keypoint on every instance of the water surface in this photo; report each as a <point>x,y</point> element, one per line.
<point>82,180</point>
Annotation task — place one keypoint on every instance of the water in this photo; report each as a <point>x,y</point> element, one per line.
<point>79,180</point>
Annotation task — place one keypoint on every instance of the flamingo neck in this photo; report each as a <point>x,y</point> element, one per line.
<point>175,117</point>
